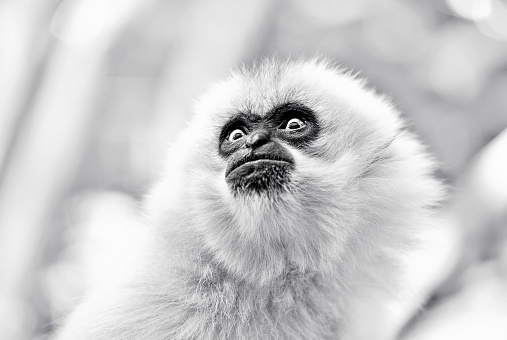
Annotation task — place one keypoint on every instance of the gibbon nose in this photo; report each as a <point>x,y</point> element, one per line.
<point>257,138</point>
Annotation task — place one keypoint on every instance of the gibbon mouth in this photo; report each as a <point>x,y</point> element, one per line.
<point>259,174</point>
<point>253,163</point>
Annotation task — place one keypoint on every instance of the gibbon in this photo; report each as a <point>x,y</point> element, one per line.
<point>285,211</point>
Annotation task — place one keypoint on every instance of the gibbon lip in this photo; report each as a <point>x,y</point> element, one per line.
<point>252,159</point>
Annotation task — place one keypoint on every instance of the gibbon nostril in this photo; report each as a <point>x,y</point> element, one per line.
<point>257,138</point>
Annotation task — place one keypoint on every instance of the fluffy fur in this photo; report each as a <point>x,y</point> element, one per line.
<point>320,260</point>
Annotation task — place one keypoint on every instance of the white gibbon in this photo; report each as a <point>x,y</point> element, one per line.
<point>283,213</point>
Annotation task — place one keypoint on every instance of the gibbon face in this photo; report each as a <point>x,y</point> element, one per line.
<point>256,147</point>
<point>270,121</point>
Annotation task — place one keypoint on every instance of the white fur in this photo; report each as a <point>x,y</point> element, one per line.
<point>314,262</point>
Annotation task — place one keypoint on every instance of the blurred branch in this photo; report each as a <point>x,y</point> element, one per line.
<point>21,63</point>
<point>48,151</point>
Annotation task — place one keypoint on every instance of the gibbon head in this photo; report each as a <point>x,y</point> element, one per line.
<point>296,164</point>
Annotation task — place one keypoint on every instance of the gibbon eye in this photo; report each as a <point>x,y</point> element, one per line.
<point>294,124</point>
<point>235,135</point>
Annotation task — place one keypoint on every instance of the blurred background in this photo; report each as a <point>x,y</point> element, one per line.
<point>92,91</point>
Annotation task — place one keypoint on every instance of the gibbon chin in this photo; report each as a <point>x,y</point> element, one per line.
<point>284,213</point>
